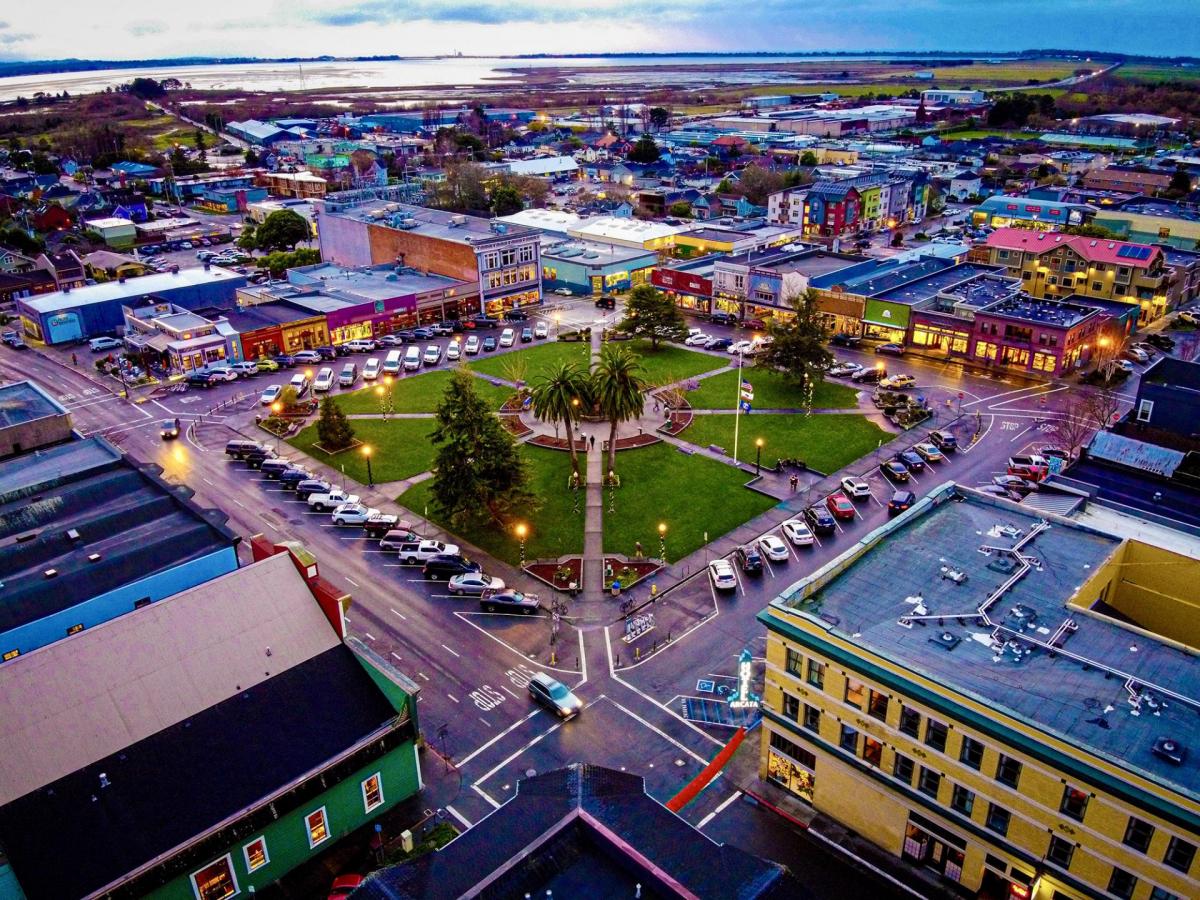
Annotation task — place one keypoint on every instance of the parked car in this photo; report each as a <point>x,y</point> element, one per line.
<point>344,885</point>
<point>299,384</point>
<point>474,583</point>
<point>898,382</point>
<point>420,551</point>
<point>391,340</point>
<point>1136,354</point>
<point>256,458</point>
<point>293,475</point>
<point>943,440</point>
<point>329,354</point>
<point>482,321</point>
<point>541,330</point>
<point>432,355</point>
<point>797,532</point>
<point>842,339</point>
<point>270,395</point>
<point>348,376</point>
<point>526,335</point>
<point>1031,466</point>
<point>562,292</point>
<point>901,500</point>
<point>554,695</point>
<point>839,504</point>
<point>606,303</point>
<point>284,361</point>
<point>352,514</point>
<point>308,487</point>
<point>307,357</point>
<point>856,487</point>
<point>330,500</point>
<point>869,375</point>
<point>773,548</point>
<point>516,601</point>
<point>360,345</point>
<point>221,373</point>
<point>489,344</point>
<point>453,351</point>
<point>395,538</point>
<point>371,369</point>
<point>911,460</point>
<point>894,471</point>
<point>697,339</point>
<point>422,334</point>
<point>273,468</point>
<point>200,379</point>
<point>928,452</point>
<point>842,369</point>
<point>238,448</point>
<point>446,565</point>
<point>1161,341</point>
<point>749,559</point>
<point>718,343</point>
<point>472,345</point>
<point>890,349</point>
<point>720,572</point>
<point>820,520</point>
<point>101,344</point>
<point>324,380</point>
<point>245,369</point>
<point>723,318</point>
<point>739,347</point>
<point>997,491</point>
<point>1015,483</point>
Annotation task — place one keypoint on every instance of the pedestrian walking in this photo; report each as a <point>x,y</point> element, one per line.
<point>593,440</point>
<point>656,406</point>
<point>74,360</point>
<point>638,547</point>
<point>793,482</point>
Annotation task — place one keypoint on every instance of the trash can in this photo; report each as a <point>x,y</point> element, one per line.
<point>616,588</point>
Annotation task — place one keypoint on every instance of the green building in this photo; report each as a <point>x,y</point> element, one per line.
<point>202,746</point>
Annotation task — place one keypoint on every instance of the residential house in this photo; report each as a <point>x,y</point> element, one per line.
<point>13,262</point>
<point>1115,178</point>
<point>832,209</point>
<point>964,185</point>
<point>1168,399</point>
<point>105,265</point>
<point>52,217</point>
<point>66,268</point>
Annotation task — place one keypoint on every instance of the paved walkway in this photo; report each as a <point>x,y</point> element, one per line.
<point>593,521</point>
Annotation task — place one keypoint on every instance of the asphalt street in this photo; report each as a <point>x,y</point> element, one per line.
<point>473,667</point>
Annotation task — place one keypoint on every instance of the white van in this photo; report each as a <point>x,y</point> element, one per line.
<point>371,369</point>
<point>507,336</point>
<point>412,358</point>
<point>299,382</point>
<point>391,363</point>
<point>324,380</point>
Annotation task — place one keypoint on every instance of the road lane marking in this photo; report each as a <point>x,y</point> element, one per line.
<point>423,675</point>
<point>504,688</point>
<point>401,615</point>
<point>397,656</point>
<point>369,636</point>
<point>452,697</point>
<point>451,652</point>
<point>517,724</point>
<point>462,820</point>
<point>716,812</point>
<point>350,580</point>
<point>662,734</point>
<point>482,793</point>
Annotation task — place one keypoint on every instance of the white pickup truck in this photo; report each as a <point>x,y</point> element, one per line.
<point>331,500</point>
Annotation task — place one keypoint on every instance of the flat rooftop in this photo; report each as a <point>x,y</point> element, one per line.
<point>991,653</point>
<point>274,312</point>
<point>930,286</point>
<point>426,222</point>
<point>1043,312</point>
<point>137,524</point>
<point>376,283</point>
<point>591,253</point>
<point>982,289</point>
<point>814,264</point>
<point>24,401</point>
<point>134,288</point>
<point>873,284</point>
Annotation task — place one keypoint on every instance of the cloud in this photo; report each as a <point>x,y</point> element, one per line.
<point>151,26</point>
<point>8,38</point>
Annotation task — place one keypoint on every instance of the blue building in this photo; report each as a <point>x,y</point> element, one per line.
<point>1168,398</point>
<point>586,268</point>
<point>104,537</point>
<point>95,309</point>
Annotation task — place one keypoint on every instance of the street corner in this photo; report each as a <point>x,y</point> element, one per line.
<point>536,640</point>
<point>666,764</point>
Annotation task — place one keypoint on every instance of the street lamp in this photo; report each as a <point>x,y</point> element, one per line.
<point>758,442</point>
<point>366,451</point>
<point>522,530</point>
<point>277,407</point>
<point>612,491</point>
<point>662,542</point>
<point>557,320</point>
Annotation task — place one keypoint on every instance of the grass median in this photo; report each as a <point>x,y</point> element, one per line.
<point>418,393</point>
<point>400,449</point>
<point>771,391</point>
<point>825,442</point>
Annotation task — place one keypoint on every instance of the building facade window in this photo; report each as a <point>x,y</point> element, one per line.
<point>998,818</point>
<point>1074,803</point>
<point>1121,883</point>
<point>794,662</point>
<point>1138,834</point>
<point>971,753</point>
<point>791,706</point>
<point>910,721</point>
<point>849,739</point>
<point>935,735</point>
<point>74,629</point>
<point>930,782</point>
<point>962,800</point>
<point>1145,410</point>
<point>1157,893</point>
<point>816,674</point>
<point>877,705</point>
<point>372,791</point>
<point>1060,852</point>
<point>317,826</point>
<point>1008,771</point>
<point>872,752</point>
<point>903,768</point>
<point>216,881</point>
<point>812,718</point>
<point>854,693</point>
<point>1180,854</point>
<point>792,766</point>
<point>256,854</point>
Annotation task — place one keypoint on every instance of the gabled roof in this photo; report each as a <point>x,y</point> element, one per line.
<point>1101,250</point>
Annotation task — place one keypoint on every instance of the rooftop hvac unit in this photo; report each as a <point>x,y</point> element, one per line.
<point>1169,749</point>
<point>457,221</point>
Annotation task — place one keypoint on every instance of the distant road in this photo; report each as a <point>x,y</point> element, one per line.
<point>1062,82</point>
<point>225,136</point>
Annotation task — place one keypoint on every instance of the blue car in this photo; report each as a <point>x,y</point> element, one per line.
<point>911,460</point>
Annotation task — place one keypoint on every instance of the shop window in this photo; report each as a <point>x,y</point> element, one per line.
<point>318,827</point>
<point>998,818</point>
<point>872,752</point>
<point>791,707</point>
<point>797,773</point>
<point>256,854</point>
<point>1008,771</point>
<point>849,739</point>
<point>971,753</point>
<point>962,800</point>
<point>74,629</point>
<point>1180,854</point>
<point>903,768</point>
<point>372,791</point>
<point>935,735</point>
<point>216,881</point>
<point>816,674</point>
<point>1044,362</point>
<point>794,662</point>
<point>812,718</point>
<point>930,782</point>
<point>1060,852</point>
<point>910,721</point>
<point>877,705</point>
<point>1138,834</point>
<point>1074,803</point>
<point>854,693</point>
<point>1121,883</point>
<point>1097,286</point>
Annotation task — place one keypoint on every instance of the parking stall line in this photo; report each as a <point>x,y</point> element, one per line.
<point>401,615</point>
<point>451,652</point>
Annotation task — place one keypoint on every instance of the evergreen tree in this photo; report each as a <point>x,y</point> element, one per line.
<point>650,313</point>
<point>333,428</point>
<point>798,347</point>
<point>645,150</point>
<point>479,475</point>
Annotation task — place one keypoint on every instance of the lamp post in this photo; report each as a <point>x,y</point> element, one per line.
<point>366,452</point>
<point>662,542</point>
<point>384,393</point>
<point>522,530</point>
<point>612,491</point>
<point>557,320</point>
<point>758,444</point>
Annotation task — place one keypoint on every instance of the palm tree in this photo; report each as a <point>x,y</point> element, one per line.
<point>561,395</point>
<point>619,390</point>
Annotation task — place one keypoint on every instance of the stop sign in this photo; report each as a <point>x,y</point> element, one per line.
<point>960,395</point>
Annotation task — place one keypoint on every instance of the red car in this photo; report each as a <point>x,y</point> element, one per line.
<point>344,885</point>
<point>839,504</point>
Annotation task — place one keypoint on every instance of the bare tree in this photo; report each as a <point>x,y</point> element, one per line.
<point>1076,426</point>
<point>1103,405</point>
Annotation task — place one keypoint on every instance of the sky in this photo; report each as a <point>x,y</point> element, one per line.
<point>139,29</point>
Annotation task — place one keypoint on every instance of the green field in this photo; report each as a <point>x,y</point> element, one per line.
<point>1151,74</point>
<point>690,494</point>
<point>671,363</point>
<point>538,359</point>
<point>771,391</point>
<point>1016,72</point>
<point>413,394</point>
<point>978,134</point>
<point>554,529</point>
<point>400,449</point>
<point>825,442</point>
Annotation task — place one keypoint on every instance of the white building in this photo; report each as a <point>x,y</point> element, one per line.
<point>936,97</point>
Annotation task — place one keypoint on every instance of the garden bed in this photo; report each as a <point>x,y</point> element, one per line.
<point>515,426</point>
<point>559,575</point>
<point>628,572</point>
<point>553,443</point>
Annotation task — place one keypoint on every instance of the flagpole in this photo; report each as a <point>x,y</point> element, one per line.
<point>737,415</point>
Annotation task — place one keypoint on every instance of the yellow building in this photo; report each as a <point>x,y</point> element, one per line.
<point>1005,698</point>
<point>1055,265</point>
